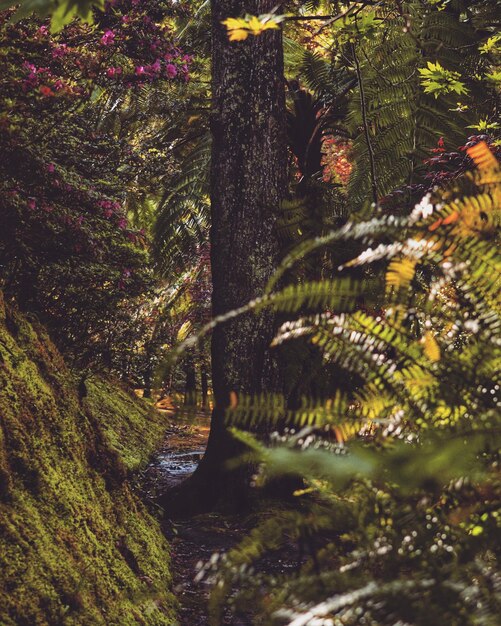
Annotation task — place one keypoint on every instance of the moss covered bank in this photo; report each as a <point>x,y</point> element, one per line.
<point>76,544</point>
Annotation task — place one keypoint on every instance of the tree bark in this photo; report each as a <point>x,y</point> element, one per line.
<point>204,386</point>
<point>190,389</point>
<point>248,181</point>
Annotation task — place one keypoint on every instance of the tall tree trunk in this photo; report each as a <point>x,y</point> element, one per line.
<point>248,180</point>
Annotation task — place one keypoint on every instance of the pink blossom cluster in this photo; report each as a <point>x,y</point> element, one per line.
<point>108,38</point>
<point>43,78</point>
<point>114,72</point>
<point>160,68</point>
<point>34,74</point>
<point>137,36</point>
<point>109,207</point>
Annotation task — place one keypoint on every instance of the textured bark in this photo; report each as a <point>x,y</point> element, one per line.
<point>248,180</point>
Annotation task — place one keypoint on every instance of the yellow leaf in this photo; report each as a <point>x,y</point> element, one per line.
<point>238,34</point>
<point>240,28</point>
<point>255,25</point>
<point>232,23</point>
<point>431,347</point>
<point>184,331</point>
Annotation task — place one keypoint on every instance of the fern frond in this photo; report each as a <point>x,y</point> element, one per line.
<point>182,220</point>
<point>400,273</point>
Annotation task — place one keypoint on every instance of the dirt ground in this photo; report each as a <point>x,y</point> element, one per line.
<point>195,539</point>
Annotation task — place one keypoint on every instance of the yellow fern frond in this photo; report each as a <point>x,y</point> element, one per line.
<point>400,273</point>
<point>483,157</point>
<point>431,347</point>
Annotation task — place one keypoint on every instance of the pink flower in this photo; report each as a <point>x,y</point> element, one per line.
<point>32,204</point>
<point>108,38</point>
<point>156,66</point>
<point>51,168</point>
<point>59,51</point>
<point>111,72</point>
<point>29,66</point>
<point>122,223</point>
<point>43,30</point>
<point>140,70</point>
<point>171,70</point>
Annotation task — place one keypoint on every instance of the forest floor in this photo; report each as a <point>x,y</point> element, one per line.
<point>195,539</point>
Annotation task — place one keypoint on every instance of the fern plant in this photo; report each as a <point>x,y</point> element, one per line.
<point>397,521</point>
<point>397,118</point>
<point>372,56</point>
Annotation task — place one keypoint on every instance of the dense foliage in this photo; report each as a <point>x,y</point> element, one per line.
<point>398,512</point>
<point>73,158</point>
<point>386,301</point>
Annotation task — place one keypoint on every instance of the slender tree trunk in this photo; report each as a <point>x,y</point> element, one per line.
<point>190,390</point>
<point>204,385</point>
<point>248,180</point>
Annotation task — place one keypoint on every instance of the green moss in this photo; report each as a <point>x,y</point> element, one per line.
<point>77,546</point>
<point>124,420</point>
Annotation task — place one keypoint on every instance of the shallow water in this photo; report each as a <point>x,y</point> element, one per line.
<point>184,446</point>
<point>178,465</point>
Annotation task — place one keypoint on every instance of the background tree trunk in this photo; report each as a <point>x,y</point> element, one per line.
<point>204,385</point>
<point>190,389</point>
<point>248,181</point>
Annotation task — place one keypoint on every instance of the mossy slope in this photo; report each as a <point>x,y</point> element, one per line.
<point>76,544</point>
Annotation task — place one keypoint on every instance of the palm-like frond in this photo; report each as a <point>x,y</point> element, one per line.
<point>183,214</point>
<point>394,123</point>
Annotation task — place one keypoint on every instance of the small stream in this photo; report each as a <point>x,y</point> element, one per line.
<point>176,466</point>
<point>177,459</point>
